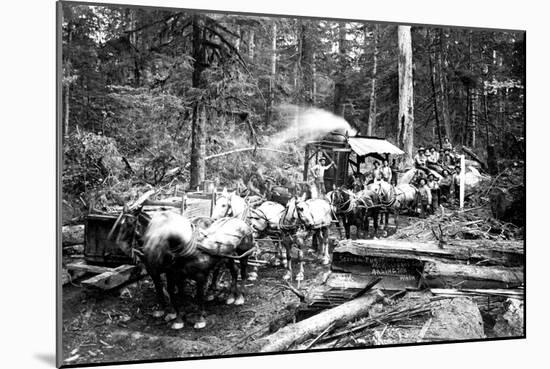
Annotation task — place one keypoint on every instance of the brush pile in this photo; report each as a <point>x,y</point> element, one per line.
<point>469,224</point>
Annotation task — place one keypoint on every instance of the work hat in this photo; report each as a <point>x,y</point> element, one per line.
<point>421,149</point>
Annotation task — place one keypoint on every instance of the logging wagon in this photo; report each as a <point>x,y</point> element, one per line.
<point>347,153</point>
<point>106,265</point>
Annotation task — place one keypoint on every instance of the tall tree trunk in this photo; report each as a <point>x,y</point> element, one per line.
<point>371,123</point>
<point>198,147</point>
<point>474,116</point>
<point>197,167</point>
<point>251,44</point>
<point>472,100</point>
<point>442,64</point>
<point>435,95</point>
<point>273,74</point>
<point>339,86</point>
<point>67,84</point>
<point>405,135</point>
<point>307,61</point>
<point>238,40</point>
<point>313,82</point>
<point>67,109</point>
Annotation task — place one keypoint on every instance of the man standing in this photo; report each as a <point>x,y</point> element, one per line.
<point>377,172</point>
<point>256,182</point>
<point>318,174</point>
<point>386,172</point>
<point>394,172</point>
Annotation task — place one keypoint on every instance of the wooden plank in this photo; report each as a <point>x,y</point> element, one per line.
<point>116,277</point>
<point>349,281</point>
<point>444,275</point>
<point>507,253</point>
<point>87,268</point>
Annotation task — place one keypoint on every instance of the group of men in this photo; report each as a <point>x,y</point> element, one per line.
<point>433,190</point>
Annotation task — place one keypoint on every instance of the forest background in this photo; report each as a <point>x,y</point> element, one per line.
<point>148,95</point>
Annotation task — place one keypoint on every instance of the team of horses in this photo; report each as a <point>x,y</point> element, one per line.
<point>169,243</point>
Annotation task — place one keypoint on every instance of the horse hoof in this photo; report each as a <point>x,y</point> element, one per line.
<point>276,262</point>
<point>286,276</point>
<point>284,263</point>
<point>158,314</point>
<point>177,325</point>
<point>200,324</point>
<point>230,300</point>
<point>299,277</point>
<point>325,260</point>
<point>252,276</point>
<point>170,317</point>
<point>239,301</point>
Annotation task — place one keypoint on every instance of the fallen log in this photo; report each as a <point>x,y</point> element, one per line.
<point>443,275</point>
<point>351,255</point>
<point>450,292</point>
<point>115,277</point>
<point>299,332</point>
<point>469,151</point>
<point>72,235</point>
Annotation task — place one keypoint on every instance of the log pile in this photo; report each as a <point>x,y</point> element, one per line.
<point>483,271</point>
<point>409,320</point>
<point>456,263</point>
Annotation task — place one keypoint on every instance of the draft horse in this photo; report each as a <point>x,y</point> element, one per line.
<point>172,245</point>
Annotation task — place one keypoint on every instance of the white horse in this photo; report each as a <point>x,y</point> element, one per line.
<point>229,205</point>
<point>315,215</point>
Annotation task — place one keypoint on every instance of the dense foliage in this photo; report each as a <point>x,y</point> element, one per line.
<point>160,89</point>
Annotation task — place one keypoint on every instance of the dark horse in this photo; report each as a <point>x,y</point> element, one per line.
<point>174,246</point>
<point>356,209</point>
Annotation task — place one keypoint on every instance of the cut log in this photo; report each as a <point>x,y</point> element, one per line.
<point>73,234</point>
<point>87,268</point>
<point>352,256</point>
<point>449,292</point>
<point>299,332</point>
<point>443,275</point>
<point>115,277</point>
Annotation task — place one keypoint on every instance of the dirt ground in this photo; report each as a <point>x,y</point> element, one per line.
<point>102,327</point>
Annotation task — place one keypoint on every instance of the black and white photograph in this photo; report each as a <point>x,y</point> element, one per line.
<point>236,184</point>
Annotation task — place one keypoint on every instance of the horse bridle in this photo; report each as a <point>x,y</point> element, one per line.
<point>229,210</point>
<point>134,253</point>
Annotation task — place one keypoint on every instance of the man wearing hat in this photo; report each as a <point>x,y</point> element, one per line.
<point>318,174</point>
<point>420,160</point>
<point>433,185</point>
<point>432,159</point>
<point>447,144</point>
<point>448,159</point>
<point>376,172</point>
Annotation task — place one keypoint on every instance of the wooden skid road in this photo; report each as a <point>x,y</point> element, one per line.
<point>105,278</point>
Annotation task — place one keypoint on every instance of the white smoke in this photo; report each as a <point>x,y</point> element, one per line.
<point>308,124</point>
